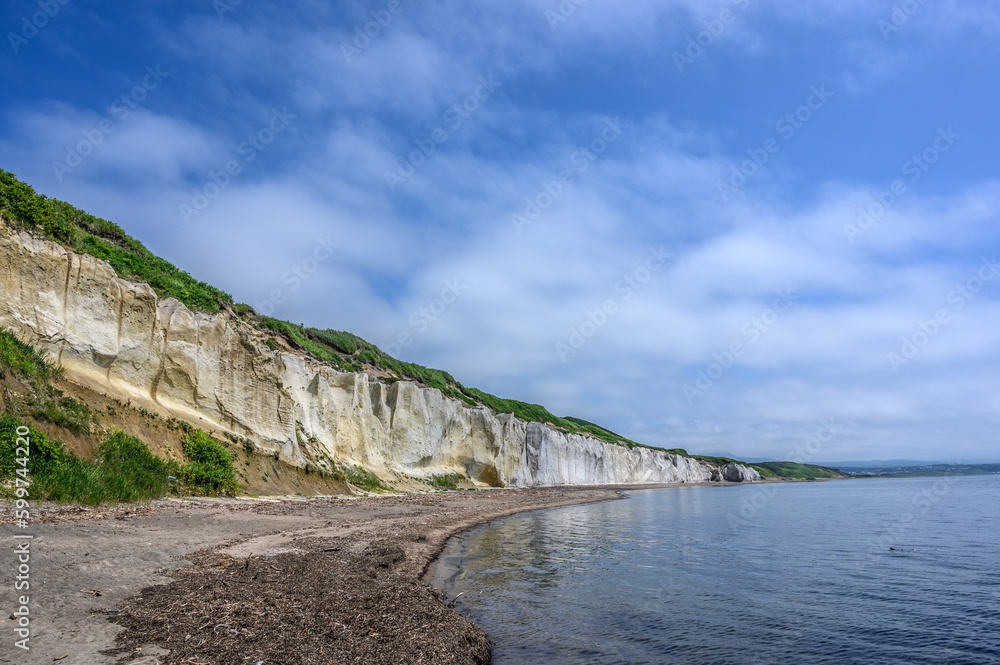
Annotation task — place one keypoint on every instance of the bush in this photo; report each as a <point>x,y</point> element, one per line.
<point>123,470</point>
<point>22,360</point>
<point>447,481</point>
<point>127,456</point>
<point>210,465</point>
<point>363,478</point>
<point>45,453</point>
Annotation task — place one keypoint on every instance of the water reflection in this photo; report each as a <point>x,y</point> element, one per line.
<point>662,578</point>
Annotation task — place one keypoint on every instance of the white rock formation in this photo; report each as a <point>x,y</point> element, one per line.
<point>737,473</point>
<point>216,372</point>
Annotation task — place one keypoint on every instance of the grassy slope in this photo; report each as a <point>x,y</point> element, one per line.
<point>925,471</point>
<point>82,232</point>
<point>797,470</point>
<point>122,469</point>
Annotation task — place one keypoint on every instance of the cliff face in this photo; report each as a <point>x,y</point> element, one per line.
<point>216,372</point>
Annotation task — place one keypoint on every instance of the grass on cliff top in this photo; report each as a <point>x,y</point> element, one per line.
<point>85,233</point>
<point>61,222</point>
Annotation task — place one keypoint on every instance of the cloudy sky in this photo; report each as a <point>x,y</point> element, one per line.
<point>725,225</point>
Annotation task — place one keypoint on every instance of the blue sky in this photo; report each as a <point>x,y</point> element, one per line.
<point>545,199</point>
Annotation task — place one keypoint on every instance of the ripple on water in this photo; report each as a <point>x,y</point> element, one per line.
<point>663,577</point>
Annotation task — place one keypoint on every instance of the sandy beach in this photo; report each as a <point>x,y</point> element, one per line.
<point>338,580</point>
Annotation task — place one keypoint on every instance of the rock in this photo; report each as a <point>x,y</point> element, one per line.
<point>213,370</point>
<point>738,473</point>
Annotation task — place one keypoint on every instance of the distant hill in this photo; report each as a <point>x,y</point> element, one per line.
<point>796,470</point>
<point>924,470</point>
<point>882,463</point>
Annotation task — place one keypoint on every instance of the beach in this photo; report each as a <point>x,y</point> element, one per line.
<point>286,580</point>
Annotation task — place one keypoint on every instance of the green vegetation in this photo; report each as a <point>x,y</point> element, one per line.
<point>98,237</point>
<point>44,453</point>
<point>123,469</point>
<point>46,403</point>
<point>796,470</point>
<point>717,461</point>
<point>446,481</point>
<point>361,477</point>
<point>179,425</point>
<point>23,361</point>
<point>65,412</point>
<point>210,465</point>
<point>775,469</point>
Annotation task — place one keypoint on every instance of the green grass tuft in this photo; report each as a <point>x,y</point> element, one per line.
<point>447,480</point>
<point>363,478</point>
<point>23,361</point>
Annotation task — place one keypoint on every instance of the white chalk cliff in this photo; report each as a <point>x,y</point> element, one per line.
<point>215,371</point>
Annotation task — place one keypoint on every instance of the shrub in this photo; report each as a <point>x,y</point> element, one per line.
<point>66,412</point>
<point>127,456</point>
<point>23,360</point>
<point>45,453</point>
<point>210,465</point>
<point>447,481</point>
<point>123,470</point>
<point>363,478</point>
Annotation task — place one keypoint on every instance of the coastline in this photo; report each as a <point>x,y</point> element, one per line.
<point>438,570</point>
<point>234,579</point>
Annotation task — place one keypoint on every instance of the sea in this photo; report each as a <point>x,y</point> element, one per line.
<point>874,571</point>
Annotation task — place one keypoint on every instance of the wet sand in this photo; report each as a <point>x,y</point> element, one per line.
<point>338,580</point>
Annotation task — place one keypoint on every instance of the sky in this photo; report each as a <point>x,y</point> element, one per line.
<point>757,228</point>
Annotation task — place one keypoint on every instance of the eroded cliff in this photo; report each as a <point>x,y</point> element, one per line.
<point>216,371</point>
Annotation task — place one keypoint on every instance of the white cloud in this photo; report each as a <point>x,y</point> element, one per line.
<point>654,186</point>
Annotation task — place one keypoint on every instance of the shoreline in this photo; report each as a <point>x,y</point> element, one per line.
<point>437,572</point>
<point>358,564</point>
<point>137,559</point>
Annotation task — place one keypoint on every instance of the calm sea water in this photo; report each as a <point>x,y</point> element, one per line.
<point>861,571</point>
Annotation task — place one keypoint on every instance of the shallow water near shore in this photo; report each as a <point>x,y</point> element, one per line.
<point>886,571</point>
